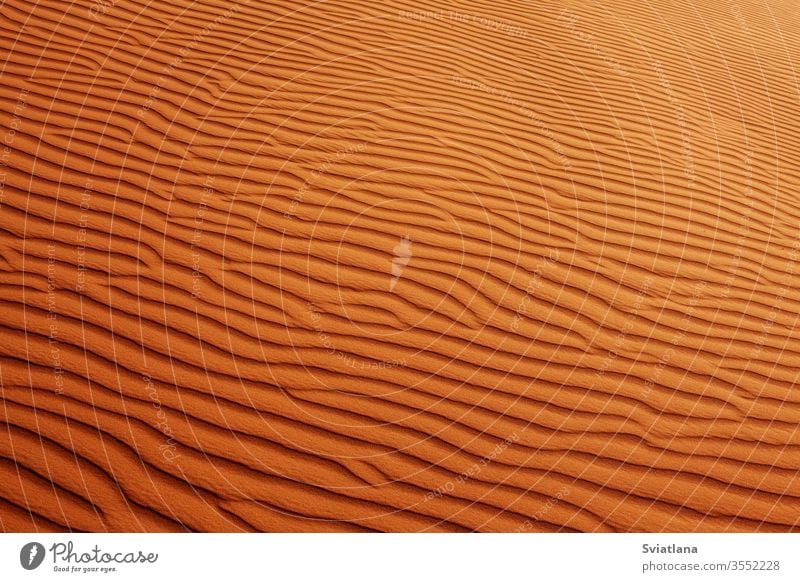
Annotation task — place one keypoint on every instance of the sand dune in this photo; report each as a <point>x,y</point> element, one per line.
<point>357,266</point>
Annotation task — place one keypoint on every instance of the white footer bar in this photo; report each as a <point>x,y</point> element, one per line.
<point>400,557</point>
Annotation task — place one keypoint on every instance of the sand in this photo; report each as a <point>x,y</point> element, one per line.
<point>358,266</point>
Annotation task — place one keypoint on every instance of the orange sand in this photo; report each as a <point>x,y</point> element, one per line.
<point>348,265</point>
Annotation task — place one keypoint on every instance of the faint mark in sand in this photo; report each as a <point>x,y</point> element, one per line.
<point>81,236</point>
<point>551,503</point>
<point>169,69</point>
<point>736,10</point>
<point>8,139</point>
<point>52,316</point>
<point>168,449</point>
<point>321,170</point>
<point>100,7</point>
<point>347,359</point>
<point>523,109</point>
<point>777,309</point>
<point>680,118</point>
<point>681,330</point>
<point>622,336</point>
<point>482,21</point>
<point>533,286</point>
<point>473,470</point>
<point>571,20</point>
<point>402,255</point>
<point>197,235</point>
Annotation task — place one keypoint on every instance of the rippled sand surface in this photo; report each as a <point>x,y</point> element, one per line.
<point>399,266</point>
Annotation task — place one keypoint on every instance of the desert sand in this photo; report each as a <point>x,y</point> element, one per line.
<point>399,266</point>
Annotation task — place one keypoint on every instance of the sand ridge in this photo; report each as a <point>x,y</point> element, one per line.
<point>354,266</point>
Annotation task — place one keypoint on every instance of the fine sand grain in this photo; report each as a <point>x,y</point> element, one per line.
<point>390,266</point>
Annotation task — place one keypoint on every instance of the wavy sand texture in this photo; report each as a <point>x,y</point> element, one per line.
<point>399,266</point>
